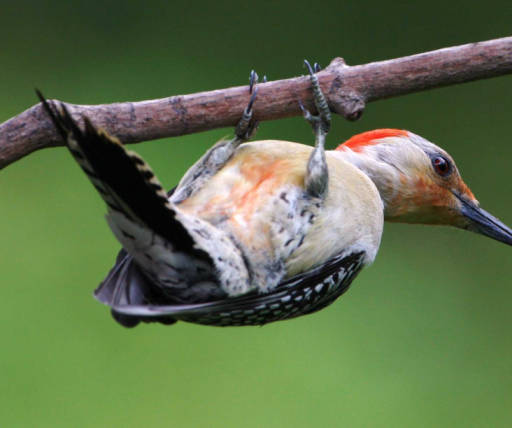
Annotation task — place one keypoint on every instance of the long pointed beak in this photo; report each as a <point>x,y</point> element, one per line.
<point>480,221</point>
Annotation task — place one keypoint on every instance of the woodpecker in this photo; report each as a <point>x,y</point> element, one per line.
<point>262,231</point>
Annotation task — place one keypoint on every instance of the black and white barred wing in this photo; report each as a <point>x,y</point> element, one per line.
<point>302,294</point>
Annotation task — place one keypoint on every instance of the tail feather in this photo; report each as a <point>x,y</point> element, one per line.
<point>123,283</point>
<point>123,179</point>
<point>176,251</point>
<point>127,285</point>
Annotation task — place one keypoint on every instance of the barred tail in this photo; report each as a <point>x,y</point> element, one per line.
<point>122,178</point>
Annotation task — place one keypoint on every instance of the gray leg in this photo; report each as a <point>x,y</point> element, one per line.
<point>246,127</point>
<point>317,177</point>
<point>216,157</point>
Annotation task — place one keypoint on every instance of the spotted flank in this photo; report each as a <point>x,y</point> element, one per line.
<point>302,294</point>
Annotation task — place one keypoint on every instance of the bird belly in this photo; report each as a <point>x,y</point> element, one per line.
<point>350,221</point>
<point>258,200</point>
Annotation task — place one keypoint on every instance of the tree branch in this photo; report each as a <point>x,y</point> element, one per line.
<point>347,88</point>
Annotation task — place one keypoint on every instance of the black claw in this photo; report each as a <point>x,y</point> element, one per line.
<point>253,80</point>
<point>312,70</point>
<point>307,115</point>
<point>308,65</point>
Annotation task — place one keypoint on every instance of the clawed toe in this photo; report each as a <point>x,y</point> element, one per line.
<point>247,126</point>
<point>321,121</point>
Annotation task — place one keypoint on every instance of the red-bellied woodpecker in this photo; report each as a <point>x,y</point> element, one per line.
<point>267,230</point>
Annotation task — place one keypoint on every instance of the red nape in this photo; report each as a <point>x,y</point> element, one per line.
<point>357,142</point>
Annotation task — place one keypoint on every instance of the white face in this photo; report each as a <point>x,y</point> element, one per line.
<point>420,183</point>
<point>416,179</point>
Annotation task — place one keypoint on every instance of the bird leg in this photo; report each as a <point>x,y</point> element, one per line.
<point>216,157</point>
<point>317,176</point>
<point>247,126</point>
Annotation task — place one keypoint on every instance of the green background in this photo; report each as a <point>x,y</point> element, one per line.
<point>422,339</point>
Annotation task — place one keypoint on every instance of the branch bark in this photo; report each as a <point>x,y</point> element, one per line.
<point>348,89</point>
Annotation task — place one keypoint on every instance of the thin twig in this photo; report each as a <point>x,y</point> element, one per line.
<point>348,89</point>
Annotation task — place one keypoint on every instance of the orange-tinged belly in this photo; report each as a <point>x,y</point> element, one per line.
<point>239,195</point>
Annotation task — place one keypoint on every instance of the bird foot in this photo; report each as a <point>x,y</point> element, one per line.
<point>247,126</point>
<point>321,122</point>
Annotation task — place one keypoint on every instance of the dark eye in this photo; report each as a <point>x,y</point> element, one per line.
<point>442,166</point>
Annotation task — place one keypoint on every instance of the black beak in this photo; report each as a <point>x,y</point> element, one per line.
<point>481,221</point>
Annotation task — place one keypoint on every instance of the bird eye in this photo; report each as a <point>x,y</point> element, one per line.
<point>441,166</point>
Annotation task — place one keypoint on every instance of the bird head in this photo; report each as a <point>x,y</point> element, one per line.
<point>419,182</point>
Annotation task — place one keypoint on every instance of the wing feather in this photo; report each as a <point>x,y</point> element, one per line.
<point>302,294</point>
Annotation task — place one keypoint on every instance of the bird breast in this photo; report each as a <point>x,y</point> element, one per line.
<point>258,198</point>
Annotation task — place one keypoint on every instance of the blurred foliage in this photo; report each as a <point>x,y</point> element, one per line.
<point>423,337</point>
